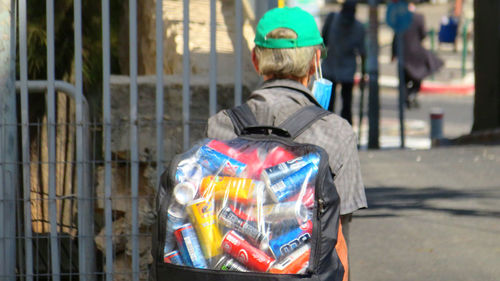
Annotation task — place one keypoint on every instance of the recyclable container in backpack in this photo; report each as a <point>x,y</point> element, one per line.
<point>258,207</point>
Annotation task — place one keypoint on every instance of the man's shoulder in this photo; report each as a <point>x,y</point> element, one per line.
<point>220,126</point>
<point>331,132</point>
<point>339,124</point>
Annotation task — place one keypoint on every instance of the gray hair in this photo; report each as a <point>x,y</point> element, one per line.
<point>286,62</point>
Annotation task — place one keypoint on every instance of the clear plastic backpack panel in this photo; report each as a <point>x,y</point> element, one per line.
<point>243,206</point>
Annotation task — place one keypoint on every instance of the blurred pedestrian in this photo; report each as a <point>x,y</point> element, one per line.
<point>344,36</point>
<point>418,62</point>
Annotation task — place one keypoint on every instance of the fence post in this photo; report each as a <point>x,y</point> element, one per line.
<point>8,140</point>
<point>238,76</point>
<point>186,77</point>
<point>373,71</point>
<point>402,87</point>
<point>464,46</point>
<point>86,253</point>
<point>432,34</point>
<point>213,60</point>
<point>23,74</point>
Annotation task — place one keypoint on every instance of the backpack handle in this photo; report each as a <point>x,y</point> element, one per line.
<point>244,121</point>
<point>265,130</point>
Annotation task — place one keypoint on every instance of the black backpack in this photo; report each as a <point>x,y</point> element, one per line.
<point>234,210</point>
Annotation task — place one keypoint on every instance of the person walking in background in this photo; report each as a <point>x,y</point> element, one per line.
<point>344,37</point>
<point>418,62</point>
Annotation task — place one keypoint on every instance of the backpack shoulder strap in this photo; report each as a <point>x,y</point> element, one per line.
<point>242,117</point>
<point>302,119</point>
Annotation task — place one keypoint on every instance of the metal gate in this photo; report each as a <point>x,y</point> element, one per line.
<point>48,159</point>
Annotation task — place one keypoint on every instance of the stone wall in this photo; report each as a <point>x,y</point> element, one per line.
<point>172,117</point>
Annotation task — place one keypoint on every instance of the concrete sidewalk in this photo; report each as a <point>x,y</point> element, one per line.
<point>433,215</point>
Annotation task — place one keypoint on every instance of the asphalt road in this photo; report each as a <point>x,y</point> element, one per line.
<point>433,215</point>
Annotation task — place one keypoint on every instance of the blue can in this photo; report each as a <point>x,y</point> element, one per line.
<point>288,242</point>
<point>173,257</point>
<point>291,184</point>
<point>190,247</point>
<point>217,162</point>
<point>276,173</point>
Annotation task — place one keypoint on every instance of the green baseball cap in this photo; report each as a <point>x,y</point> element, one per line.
<point>295,19</point>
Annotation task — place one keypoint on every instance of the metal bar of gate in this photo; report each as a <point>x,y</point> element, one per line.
<point>86,251</point>
<point>3,269</point>
<point>43,85</point>
<point>54,245</point>
<point>238,50</point>
<point>159,90</point>
<point>16,229</point>
<point>134,153</point>
<point>3,234</point>
<point>213,59</point>
<point>8,141</point>
<point>25,135</point>
<point>106,104</point>
<point>186,77</point>
<point>12,172</point>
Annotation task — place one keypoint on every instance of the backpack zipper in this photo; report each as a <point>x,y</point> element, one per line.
<point>320,209</point>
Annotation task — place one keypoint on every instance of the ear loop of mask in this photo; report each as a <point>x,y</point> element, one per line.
<point>316,69</point>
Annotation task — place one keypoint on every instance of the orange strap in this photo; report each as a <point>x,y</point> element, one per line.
<point>341,249</point>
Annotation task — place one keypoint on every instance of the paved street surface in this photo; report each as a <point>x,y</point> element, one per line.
<point>433,215</point>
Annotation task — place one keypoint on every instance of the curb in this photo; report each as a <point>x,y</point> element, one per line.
<point>437,88</point>
<point>429,87</point>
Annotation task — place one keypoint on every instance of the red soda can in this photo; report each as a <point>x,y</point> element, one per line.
<point>251,257</point>
<point>277,155</point>
<point>249,157</point>
<point>224,148</point>
<point>254,164</point>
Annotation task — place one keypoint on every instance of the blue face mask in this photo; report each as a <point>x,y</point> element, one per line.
<point>322,88</point>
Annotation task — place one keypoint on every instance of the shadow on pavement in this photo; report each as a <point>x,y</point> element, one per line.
<point>397,199</point>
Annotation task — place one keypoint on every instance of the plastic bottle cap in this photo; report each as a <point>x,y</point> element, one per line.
<point>184,192</point>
